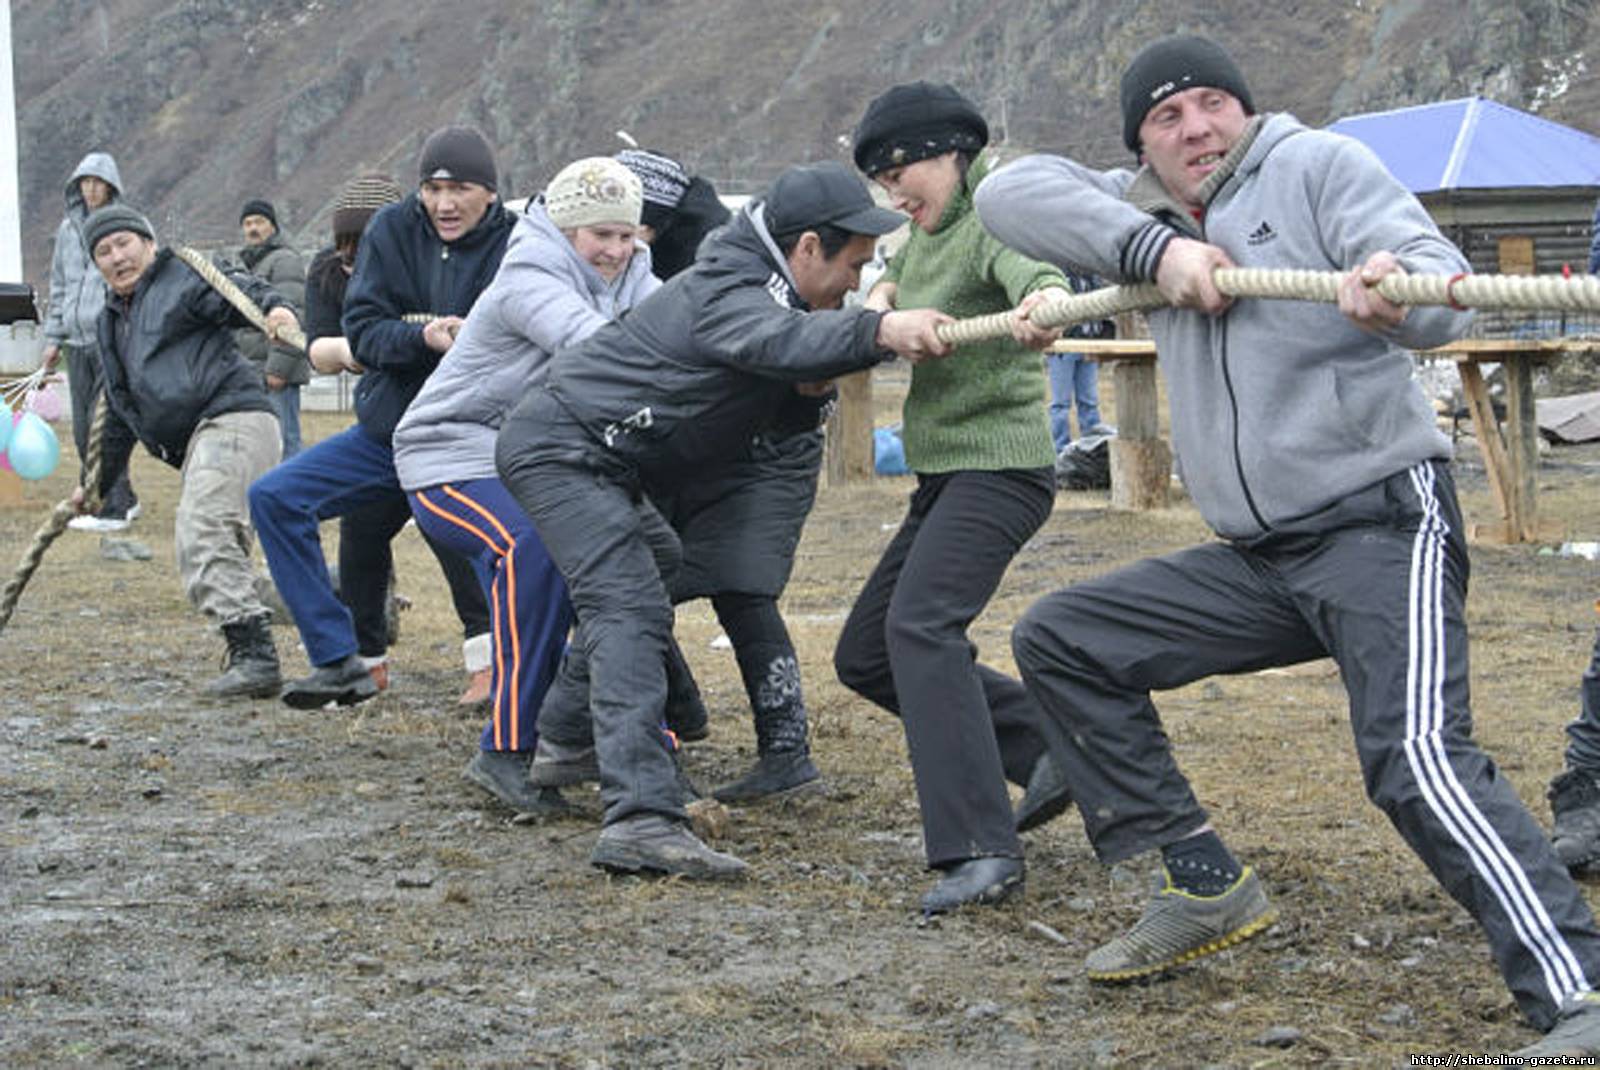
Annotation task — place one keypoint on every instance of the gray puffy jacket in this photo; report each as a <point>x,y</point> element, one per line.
<point>77,292</point>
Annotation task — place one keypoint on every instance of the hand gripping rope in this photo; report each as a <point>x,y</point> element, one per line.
<point>64,511</point>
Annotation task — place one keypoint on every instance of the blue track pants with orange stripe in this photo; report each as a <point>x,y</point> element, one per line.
<point>527,598</point>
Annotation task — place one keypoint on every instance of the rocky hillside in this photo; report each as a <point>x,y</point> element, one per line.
<point>206,103</point>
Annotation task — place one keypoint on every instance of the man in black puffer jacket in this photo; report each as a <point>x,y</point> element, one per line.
<point>663,395</point>
<point>175,381</point>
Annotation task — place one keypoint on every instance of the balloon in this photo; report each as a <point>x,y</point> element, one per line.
<point>6,421</point>
<point>34,449</point>
<point>47,403</point>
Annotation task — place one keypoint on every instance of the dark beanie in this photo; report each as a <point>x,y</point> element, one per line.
<point>915,122</point>
<point>359,201</point>
<point>260,207</point>
<point>1171,65</point>
<point>112,218</point>
<point>460,154</point>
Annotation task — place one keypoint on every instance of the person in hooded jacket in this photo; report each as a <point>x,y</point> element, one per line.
<point>1311,452</point>
<point>662,396</point>
<point>77,294</point>
<point>175,381</point>
<point>572,264</point>
<point>421,265</point>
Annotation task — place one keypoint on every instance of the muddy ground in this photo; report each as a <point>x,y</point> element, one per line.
<point>185,883</point>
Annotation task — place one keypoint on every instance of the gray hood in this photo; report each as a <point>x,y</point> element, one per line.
<point>98,165</point>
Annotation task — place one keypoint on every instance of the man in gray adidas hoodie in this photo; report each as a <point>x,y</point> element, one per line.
<point>1306,446</point>
<point>77,294</point>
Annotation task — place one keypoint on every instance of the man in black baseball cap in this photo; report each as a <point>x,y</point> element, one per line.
<point>675,389</point>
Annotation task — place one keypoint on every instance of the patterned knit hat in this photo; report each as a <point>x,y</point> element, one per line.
<point>665,182</point>
<point>593,191</point>
<point>359,201</point>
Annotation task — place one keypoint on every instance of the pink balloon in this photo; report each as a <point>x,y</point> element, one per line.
<point>47,403</point>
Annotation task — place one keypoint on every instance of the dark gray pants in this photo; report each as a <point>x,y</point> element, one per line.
<point>1377,581</point>
<point>83,379</point>
<point>905,647</point>
<point>1583,734</point>
<point>599,530</point>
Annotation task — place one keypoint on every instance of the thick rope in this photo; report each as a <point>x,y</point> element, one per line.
<point>290,336</point>
<point>56,522</point>
<point>1578,293</point>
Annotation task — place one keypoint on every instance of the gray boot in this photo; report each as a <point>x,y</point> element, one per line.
<point>252,661</point>
<point>652,843</point>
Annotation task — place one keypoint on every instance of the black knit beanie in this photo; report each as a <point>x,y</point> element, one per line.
<point>1171,65</point>
<point>262,208</point>
<point>460,154</point>
<point>914,122</point>
<point>112,218</point>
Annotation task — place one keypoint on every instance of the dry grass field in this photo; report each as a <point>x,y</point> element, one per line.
<point>184,883</point>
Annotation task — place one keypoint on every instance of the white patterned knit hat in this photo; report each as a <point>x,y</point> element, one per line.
<point>594,191</point>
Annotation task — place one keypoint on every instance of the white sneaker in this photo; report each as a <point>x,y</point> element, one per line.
<point>97,524</point>
<point>134,510</point>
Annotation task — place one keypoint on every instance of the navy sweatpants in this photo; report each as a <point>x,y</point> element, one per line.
<point>1378,581</point>
<point>527,598</point>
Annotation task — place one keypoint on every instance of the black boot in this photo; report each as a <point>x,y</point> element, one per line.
<point>252,661</point>
<point>772,681</point>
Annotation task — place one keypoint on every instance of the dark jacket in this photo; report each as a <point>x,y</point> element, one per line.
<point>697,215</point>
<point>170,361</point>
<point>326,283</point>
<point>283,269</point>
<point>404,269</point>
<point>696,370</point>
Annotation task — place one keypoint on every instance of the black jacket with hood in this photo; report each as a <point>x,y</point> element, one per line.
<point>170,361</point>
<point>696,370</point>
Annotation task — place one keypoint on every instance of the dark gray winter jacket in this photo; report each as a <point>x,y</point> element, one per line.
<point>170,361</point>
<point>283,269</point>
<point>710,359</point>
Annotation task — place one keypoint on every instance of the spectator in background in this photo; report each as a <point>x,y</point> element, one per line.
<point>283,369</point>
<point>1074,378</point>
<point>1594,242</point>
<point>77,294</point>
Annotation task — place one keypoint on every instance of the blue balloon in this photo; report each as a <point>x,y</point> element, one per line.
<point>5,424</point>
<point>34,449</point>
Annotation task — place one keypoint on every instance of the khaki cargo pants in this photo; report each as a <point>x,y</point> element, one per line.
<point>212,531</point>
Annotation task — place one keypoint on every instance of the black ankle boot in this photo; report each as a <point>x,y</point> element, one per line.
<point>773,775</point>
<point>975,882</point>
<point>252,661</point>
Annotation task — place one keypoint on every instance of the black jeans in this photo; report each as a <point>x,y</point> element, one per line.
<point>905,647</point>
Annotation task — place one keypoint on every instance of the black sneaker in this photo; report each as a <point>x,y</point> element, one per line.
<point>651,843</point>
<point>774,775</point>
<point>1575,803</point>
<point>504,774</point>
<point>346,682</point>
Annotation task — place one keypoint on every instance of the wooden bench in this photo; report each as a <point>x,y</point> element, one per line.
<point>1141,463</point>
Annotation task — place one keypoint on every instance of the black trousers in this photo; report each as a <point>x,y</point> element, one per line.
<point>968,727</point>
<point>1377,581</point>
<point>366,562</point>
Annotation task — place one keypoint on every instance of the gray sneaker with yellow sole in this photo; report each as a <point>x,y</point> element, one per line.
<point>1178,927</point>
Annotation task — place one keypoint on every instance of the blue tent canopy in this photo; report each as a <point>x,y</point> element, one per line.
<point>1474,143</point>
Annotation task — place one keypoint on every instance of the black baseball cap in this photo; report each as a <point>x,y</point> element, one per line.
<point>810,195</point>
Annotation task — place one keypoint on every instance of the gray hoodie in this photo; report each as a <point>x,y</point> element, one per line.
<point>544,297</point>
<point>77,291</point>
<point>1279,408</point>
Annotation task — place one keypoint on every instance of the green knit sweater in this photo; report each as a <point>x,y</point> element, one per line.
<point>983,407</point>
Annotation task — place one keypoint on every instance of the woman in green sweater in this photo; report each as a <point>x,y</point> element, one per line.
<point>977,435</point>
